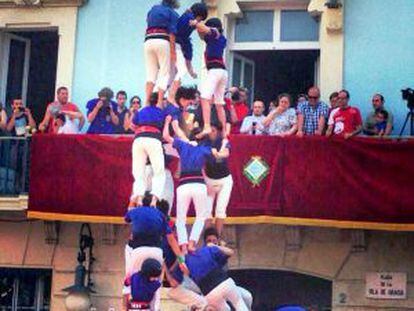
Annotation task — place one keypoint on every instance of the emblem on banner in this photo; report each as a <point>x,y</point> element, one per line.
<point>256,170</point>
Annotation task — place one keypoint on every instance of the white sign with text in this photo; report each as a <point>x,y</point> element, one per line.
<point>385,285</point>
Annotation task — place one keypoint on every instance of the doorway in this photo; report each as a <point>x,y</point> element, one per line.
<point>272,289</point>
<point>28,64</point>
<point>269,73</point>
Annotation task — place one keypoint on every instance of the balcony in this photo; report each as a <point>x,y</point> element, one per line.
<point>14,173</point>
<point>360,183</point>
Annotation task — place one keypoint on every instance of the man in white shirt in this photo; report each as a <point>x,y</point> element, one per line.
<point>253,125</point>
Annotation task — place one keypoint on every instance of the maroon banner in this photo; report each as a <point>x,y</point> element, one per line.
<point>359,180</point>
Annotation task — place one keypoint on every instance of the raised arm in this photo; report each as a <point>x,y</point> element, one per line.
<point>166,131</point>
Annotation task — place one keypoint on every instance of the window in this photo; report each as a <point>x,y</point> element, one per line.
<point>25,289</point>
<point>298,26</point>
<point>255,26</point>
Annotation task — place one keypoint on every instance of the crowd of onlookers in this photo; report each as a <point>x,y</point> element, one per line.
<point>111,113</point>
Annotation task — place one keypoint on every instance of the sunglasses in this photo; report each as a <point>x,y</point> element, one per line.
<point>136,102</point>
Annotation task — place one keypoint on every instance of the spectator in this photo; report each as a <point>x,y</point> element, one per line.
<point>61,115</point>
<point>272,105</point>
<point>238,107</point>
<point>101,113</point>
<point>282,121</point>
<point>121,111</point>
<point>333,100</point>
<point>381,117</point>
<point>3,120</point>
<point>302,98</point>
<point>312,114</point>
<point>346,121</point>
<point>253,125</point>
<point>20,119</point>
<point>134,106</point>
<point>378,102</point>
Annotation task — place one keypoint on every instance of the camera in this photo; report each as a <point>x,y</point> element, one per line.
<point>235,97</point>
<point>21,109</point>
<point>408,95</point>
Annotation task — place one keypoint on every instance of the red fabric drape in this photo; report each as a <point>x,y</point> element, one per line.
<point>356,180</point>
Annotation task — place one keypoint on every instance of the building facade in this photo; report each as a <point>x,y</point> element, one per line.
<point>364,46</point>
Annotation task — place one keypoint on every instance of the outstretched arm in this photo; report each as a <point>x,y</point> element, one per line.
<point>166,131</point>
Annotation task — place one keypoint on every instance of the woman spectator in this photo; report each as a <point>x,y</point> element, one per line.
<point>134,106</point>
<point>282,121</point>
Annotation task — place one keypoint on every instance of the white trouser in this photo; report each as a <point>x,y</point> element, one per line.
<point>220,188</point>
<point>246,296</point>
<point>226,291</point>
<point>142,149</point>
<point>186,294</point>
<point>158,62</point>
<point>214,85</point>
<point>181,65</point>
<point>197,193</point>
<point>168,193</point>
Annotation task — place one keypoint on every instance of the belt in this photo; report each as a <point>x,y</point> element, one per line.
<point>147,129</point>
<point>155,30</point>
<point>138,306</point>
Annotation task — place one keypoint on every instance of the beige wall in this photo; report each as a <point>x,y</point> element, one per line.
<point>61,18</point>
<point>323,253</point>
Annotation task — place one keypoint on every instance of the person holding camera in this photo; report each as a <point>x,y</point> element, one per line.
<point>253,125</point>
<point>102,113</point>
<point>61,115</point>
<point>20,119</point>
<point>238,107</point>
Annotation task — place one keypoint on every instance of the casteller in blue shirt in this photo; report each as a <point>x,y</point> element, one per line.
<point>102,124</point>
<point>163,16</point>
<point>148,226</point>
<point>215,45</point>
<point>142,289</point>
<point>152,117</point>
<point>192,160</point>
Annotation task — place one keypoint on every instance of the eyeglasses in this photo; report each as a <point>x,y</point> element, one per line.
<point>313,97</point>
<point>136,102</point>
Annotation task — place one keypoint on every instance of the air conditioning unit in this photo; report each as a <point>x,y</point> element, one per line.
<point>28,2</point>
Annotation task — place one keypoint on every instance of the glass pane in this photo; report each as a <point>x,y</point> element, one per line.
<point>27,291</point>
<point>6,291</point>
<point>298,26</point>
<point>248,80</point>
<point>237,70</point>
<point>16,70</point>
<point>255,26</point>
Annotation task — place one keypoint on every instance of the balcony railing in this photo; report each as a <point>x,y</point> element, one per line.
<point>14,166</point>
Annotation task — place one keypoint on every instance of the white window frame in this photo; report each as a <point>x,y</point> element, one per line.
<point>276,45</point>
<point>244,60</point>
<point>4,64</point>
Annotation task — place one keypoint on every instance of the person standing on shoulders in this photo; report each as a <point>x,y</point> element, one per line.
<point>347,121</point>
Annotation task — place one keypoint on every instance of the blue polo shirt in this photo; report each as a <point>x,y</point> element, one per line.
<point>148,226</point>
<point>215,45</point>
<point>150,116</point>
<point>163,16</point>
<point>207,268</point>
<point>184,31</point>
<point>192,160</point>
<point>142,289</point>
<point>216,168</point>
<point>102,123</point>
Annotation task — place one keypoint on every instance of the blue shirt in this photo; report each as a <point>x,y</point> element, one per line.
<point>102,124</point>
<point>216,43</point>
<point>216,168</point>
<point>192,158</point>
<point>148,221</point>
<point>142,289</point>
<point>173,111</point>
<point>163,16</point>
<point>184,31</point>
<point>311,116</point>
<point>150,116</point>
<point>119,129</point>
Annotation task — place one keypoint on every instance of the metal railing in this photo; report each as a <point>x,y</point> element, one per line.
<point>14,165</point>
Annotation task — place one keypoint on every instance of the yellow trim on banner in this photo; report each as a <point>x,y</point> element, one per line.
<point>250,220</point>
